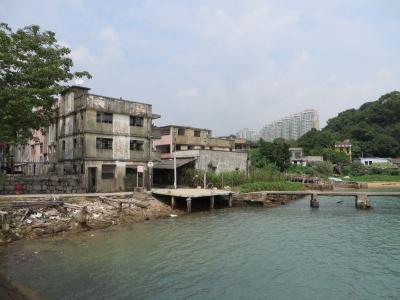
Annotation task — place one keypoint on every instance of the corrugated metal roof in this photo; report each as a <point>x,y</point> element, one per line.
<point>168,164</point>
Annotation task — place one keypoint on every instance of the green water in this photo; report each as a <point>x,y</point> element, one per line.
<point>290,252</point>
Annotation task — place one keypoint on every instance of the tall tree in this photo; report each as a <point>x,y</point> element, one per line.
<point>34,69</point>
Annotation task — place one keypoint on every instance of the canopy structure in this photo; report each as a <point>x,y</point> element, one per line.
<point>168,164</point>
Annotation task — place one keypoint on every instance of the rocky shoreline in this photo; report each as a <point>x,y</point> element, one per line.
<point>77,214</point>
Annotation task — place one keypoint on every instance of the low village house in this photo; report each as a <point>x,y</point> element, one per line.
<point>196,148</point>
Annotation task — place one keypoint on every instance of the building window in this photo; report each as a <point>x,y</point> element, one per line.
<point>104,143</point>
<point>75,143</point>
<point>107,171</point>
<point>181,131</point>
<point>103,117</point>
<point>63,145</point>
<point>197,133</point>
<point>136,121</point>
<point>136,145</point>
<point>82,141</point>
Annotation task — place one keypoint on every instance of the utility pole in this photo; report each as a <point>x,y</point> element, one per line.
<point>175,183</point>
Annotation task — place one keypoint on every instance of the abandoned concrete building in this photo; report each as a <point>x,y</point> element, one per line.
<point>100,138</point>
<point>196,148</point>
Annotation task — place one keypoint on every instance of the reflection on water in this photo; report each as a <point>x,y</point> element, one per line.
<point>290,252</point>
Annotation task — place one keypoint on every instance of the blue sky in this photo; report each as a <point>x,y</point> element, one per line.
<point>228,64</point>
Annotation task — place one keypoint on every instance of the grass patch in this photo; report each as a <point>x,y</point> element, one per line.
<point>376,177</point>
<point>270,186</point>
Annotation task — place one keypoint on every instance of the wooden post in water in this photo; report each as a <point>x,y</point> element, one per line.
<point>314,201</point>
<point>230,200</point>
<point>173,204</point>
<point>212,202</point>
<point>189,205</point>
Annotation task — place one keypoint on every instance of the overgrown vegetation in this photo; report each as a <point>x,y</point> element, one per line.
<point>270,186</point>
<point>269,173</point>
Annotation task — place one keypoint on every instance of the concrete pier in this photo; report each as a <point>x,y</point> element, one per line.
<point>173,203</point>
<point>362,202</point>
<point>314,203</point>
<point>194,194</point>
<point>189,205</point>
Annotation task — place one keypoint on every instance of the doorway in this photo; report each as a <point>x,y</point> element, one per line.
<point>92,171</point>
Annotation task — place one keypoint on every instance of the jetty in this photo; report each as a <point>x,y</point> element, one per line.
<point>361,198</point>
<point>191,194</point>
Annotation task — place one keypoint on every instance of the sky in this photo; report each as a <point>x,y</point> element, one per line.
<point>227,64</point>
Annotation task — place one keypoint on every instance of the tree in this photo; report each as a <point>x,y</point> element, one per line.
<point>315,140</point>
<point>335,156</point>
<point>276,152</point>
<point>34,69</point>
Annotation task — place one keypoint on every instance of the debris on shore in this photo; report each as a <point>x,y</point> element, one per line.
<point>38,218</point>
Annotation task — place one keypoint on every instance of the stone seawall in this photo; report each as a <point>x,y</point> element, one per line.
<point>350,185</point>
<point>43,184</point>
<point>263,199</point>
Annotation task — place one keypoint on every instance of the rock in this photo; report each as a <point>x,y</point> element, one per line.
<point>51,213</point>
<point>60,227</point>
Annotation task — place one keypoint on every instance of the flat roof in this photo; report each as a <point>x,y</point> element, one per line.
<point>180,126</point>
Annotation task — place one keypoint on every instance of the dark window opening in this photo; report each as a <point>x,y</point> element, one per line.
<point>107,171</point>
<point>63,145</point>
<point>181,131</point>
<point>136,121</point>
<point>197,133</point>
<point>75,143</point>
<point>102,117</point>
<point>104,143</point>
<point>136,145</point>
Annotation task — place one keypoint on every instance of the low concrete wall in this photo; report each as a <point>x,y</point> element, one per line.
<point>350,184</point>
<point>222,161</point>
<point>44,184</point>
<point>263,198</point>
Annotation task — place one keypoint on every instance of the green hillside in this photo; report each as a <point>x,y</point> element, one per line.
<point>374,128</point>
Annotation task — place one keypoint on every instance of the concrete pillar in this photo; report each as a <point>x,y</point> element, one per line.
<point>314,201</point>
<point>212,202</point>
<point>230,200</point>
<point>362,201</point>
<point>5,222</point>
<point>173,204</point>
<point>189,205</point>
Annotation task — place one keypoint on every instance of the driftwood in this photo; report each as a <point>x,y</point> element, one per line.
<point>25,214</point>
<point>20,204</point>
<point>73,206</point>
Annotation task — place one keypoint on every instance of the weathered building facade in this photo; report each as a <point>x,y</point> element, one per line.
<point>196,148</point>
<point>182,138</point>
<point>102,139</point>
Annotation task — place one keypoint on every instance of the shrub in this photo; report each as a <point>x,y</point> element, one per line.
<point>270,186</point>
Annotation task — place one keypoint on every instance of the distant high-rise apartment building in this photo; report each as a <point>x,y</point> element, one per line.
<point>248,134</point>
<point>291,127</point>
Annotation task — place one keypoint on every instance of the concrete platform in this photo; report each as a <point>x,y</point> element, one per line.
<point>190,193</point>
